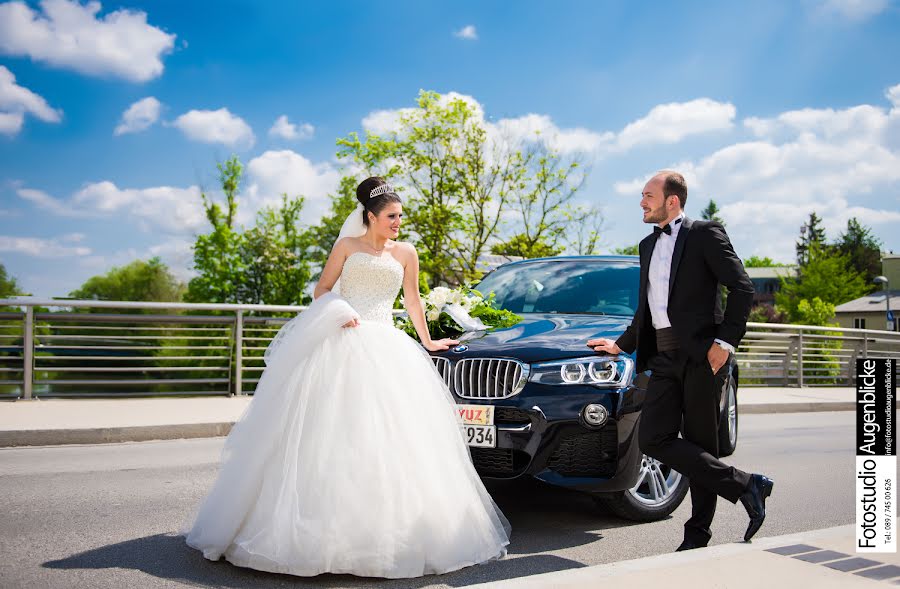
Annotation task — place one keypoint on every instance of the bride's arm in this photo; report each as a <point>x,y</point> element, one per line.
<point>413,302</point>
<point>332,270</point>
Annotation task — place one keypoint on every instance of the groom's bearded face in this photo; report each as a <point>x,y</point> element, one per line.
<point>653,202</point>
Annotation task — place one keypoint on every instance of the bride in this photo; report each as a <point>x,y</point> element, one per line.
<point>349,459</point>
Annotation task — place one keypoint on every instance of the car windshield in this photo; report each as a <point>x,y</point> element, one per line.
<point>565,286</point>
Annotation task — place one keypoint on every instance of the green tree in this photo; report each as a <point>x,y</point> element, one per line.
<point>711,213</point>
<point>521,245</point>
<point>628,250</point>
<point>812,234</point>
<point>267,263</point>
<point>8,285</point>
<point>217,257</point>
<point>862,248</point>
<point>762,262</point>
<point>460,184</point>
<point>827,275</point>
<point>140,280</point>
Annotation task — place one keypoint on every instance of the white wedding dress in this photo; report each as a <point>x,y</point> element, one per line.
<point>349,459</point>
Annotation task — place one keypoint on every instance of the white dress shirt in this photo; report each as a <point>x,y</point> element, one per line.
<point>658,279</point>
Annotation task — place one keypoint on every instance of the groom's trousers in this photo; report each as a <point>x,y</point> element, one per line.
<point>683,395</point>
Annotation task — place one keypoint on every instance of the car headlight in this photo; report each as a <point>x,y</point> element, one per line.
<point>592,370</point>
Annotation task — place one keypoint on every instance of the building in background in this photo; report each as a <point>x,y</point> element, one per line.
<point>871,311</point>
<point>767,281</point>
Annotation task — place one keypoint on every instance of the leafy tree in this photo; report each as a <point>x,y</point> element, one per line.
<point>462,184</point>
<point>862,248</point>
<point>149,281</point>
<point>711,213</point>
<point>8,285</point>
<point>766,314</point>
<point>827,275</point>
<point>274,256</point>
<point>267,263</point>
<point>628,250</point>
<point>521,245</point>
<point>762,262</point>
<point>812,234</point>
<point>217,257</point>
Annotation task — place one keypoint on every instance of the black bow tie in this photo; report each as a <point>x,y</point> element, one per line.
<point>667,228</point>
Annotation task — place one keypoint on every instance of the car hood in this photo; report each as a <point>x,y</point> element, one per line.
<point>540,337</point>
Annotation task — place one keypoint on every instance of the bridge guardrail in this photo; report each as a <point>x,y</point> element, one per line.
<point>67,348</point>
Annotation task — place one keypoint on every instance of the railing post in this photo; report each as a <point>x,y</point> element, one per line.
<point>28,353</point>
<point>800,358</point>
<point>239,352</point>
<point>865,346</point>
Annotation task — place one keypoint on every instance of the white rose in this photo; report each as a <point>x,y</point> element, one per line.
<point>433,314</point>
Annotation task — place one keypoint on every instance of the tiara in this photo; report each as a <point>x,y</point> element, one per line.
<point>384,188</point>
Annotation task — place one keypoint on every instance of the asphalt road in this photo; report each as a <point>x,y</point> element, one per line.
<point>107,515</point>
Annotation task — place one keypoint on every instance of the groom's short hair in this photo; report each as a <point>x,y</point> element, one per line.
<point>674,183</point>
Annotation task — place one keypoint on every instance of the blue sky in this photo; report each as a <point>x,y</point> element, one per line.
<point>113,115</point>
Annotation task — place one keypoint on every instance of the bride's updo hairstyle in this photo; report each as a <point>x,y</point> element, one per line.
<point>375,193</point>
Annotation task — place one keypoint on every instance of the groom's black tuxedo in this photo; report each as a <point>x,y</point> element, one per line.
<point>683,394</point>
<point>703,259</point>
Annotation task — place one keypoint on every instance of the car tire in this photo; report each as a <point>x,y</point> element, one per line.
<point>658,492</point>
<point>728,423</point>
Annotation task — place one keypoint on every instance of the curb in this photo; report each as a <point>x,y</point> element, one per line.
<point>112,435</point>
<point>145,433</point>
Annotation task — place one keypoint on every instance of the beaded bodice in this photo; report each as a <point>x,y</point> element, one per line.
<point>370,284</point>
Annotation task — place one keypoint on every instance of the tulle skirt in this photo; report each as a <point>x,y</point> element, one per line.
<point>349,459</point>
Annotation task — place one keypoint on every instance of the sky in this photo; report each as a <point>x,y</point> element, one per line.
<point>113,115</point>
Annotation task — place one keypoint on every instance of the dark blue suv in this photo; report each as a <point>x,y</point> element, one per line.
<point>536,401</point>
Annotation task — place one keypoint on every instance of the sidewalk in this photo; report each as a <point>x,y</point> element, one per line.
<point>820,558</point>
<point>94,421</point>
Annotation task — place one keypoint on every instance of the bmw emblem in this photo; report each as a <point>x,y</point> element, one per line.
<point>460,348</point>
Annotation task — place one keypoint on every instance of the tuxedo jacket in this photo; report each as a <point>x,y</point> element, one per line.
<point>702,260</point>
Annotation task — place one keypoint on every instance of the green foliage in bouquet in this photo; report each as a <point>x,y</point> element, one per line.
<point>441,324</point>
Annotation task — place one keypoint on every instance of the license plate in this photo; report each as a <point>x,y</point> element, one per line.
<point>480,436</point>
<point>476,414</point>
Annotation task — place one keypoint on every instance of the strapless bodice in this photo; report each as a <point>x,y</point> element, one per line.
<point>370,284</point>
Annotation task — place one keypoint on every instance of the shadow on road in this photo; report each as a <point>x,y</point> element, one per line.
<point>544,519</point>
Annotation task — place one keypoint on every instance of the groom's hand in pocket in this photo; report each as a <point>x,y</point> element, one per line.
<point>717,357</point>
<point>604,345</point>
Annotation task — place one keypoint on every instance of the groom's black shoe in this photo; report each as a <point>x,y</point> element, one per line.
<point>689,545</point>
<point>754,501</point>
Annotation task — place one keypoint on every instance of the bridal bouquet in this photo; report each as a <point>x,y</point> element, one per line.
<point>452,312</point>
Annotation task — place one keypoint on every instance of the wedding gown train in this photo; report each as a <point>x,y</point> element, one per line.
<point>349,459</point>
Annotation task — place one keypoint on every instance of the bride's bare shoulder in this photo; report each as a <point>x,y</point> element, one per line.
<point>346,245</point>
<point>404,249</point>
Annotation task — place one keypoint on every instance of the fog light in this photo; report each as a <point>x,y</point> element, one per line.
<point>595,415</point>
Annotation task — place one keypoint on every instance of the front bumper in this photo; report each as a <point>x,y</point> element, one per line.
<point>540,434</point>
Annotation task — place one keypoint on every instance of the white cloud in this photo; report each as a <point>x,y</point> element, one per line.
<point>664,124</point>
<point>839,163</point>
<point>16,102</point>
<point>670,123</point>
<point>856,10</point>
<point>893,94</point>
<point>285,129</point>
<point>286,172</point>
<point>216,126</point>
<point>139,116</point>
<point>534,127</point>
<point>468,33</point>
<point>40,248</point>
<point>11,123</point>
<point>171,209</point>
<point>69,35</point>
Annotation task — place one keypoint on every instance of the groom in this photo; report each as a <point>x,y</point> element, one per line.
<point>681,334</point>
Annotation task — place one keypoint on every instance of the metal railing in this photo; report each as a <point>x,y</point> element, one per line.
<point>61,348</point>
